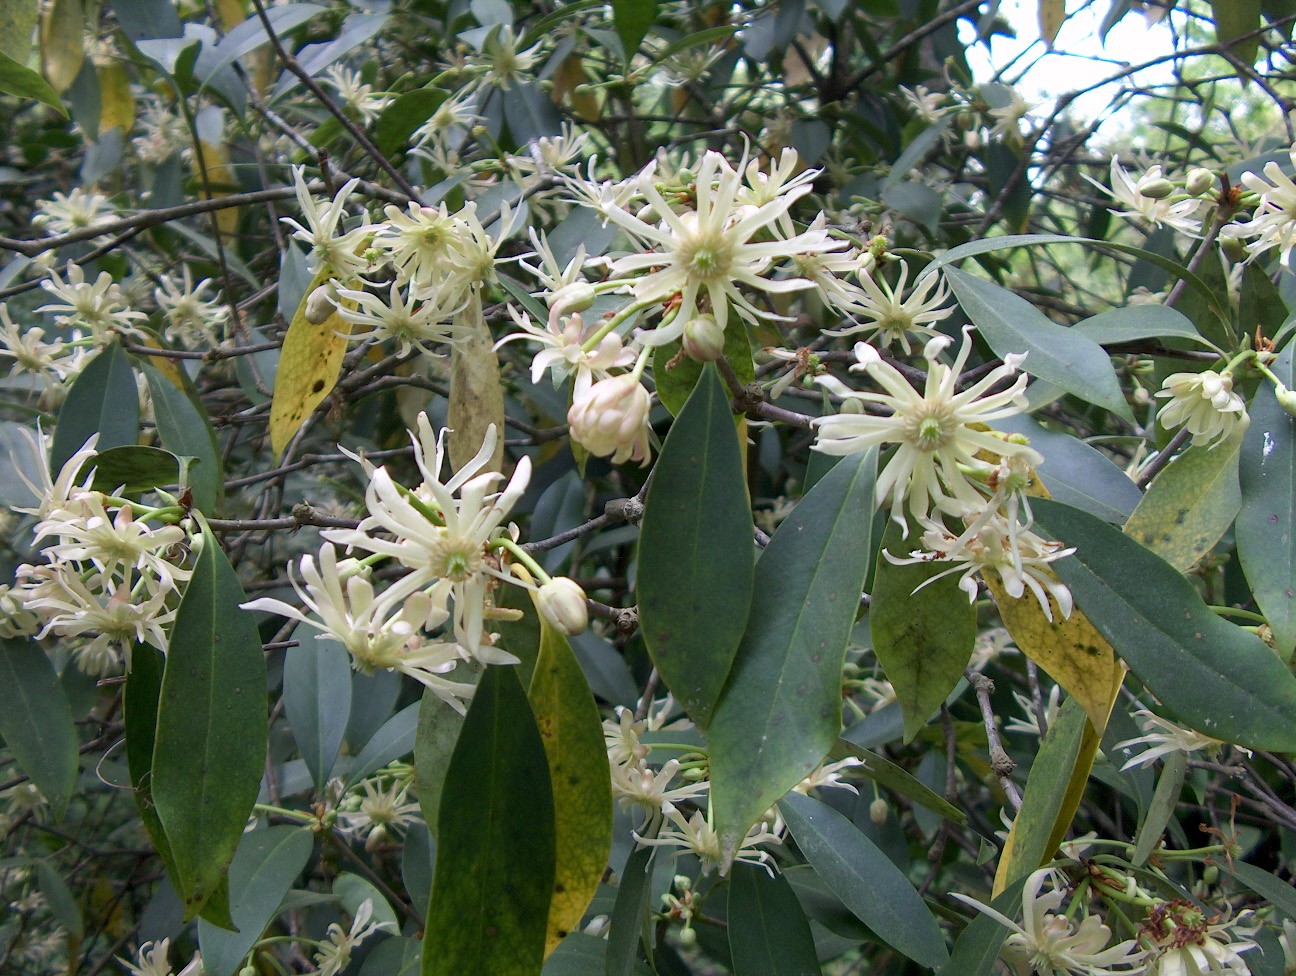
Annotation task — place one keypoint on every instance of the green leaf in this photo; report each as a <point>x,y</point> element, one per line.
<point>18,79</point>
<point>396,738</point>
<point>675,383</point>
<point>1133,322</point>
<point>434,741</point>
<point>1190,505</point>
<point>696,551</point>
<point>1164,799</point>
<point>405,114</point>
<point>317,701</point>
<point>865,879</point>
<point>185,431</point>
<point>1063,357</point>
<point>781,710</point>
<point>103,399</point>
<point>633,19</point>
<point>36,721</point>
<point>140,710</point>
<point>923,637</point>
<point>211,728</point>
<point>895,778</point>
<point>630,913</point>
<point>768,931</point>
<point>1044,796</point>
<point>132,469</point>
<point>572,732</point>
<point>264,867</point>
<point>579,955</point>
<point>1266,525</point>
<point>976,950</point>
<point>495,844</point>
<point>1216,677</point>
<point>1279,893</point>
<point>60,900</point>
<point>1236,24</point>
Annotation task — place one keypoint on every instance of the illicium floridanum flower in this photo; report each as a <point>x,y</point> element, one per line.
<point>78,210</point>
<point>1205,404</point>
<point>334,954</point>
<point>1163,737</point>
<point>936,431</point>
<point>638,785</point>
<point>381,813</point>
<point>151,960</point>
<point>411,321</point>
<point>1161,211</point>
<point>96,308</point>
<point>565,352</point>
<point>893,319</point>
<point>610,419</point>
<point>189,314</point>
<point>330,246</point>
<point>1273,224</point>
<point>1050,944</point>
<point>695,835</point>
<point>1188,943</point>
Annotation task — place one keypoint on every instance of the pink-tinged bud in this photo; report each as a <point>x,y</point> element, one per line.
<point>563,604</point>
<point>611,419</point>
<point>704,339</point>
<point>576,297</point>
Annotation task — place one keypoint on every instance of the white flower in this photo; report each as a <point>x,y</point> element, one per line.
<point>189,314</point>
<point>709,252</point>
<point>97,307</point>
<point>439,536</point>
<point>502,61</point>
<point>562,603</point>
<point>74,211</point>
<point>552,154</point>
<point>151,960</point>
<point>163,133</point>
<point>928,105</point>
<point>1205,404</point>
<point>409,321</point>
<point>16,620</point>
<point>937,442</point>
<point>610,419</point>
<point>1163,737</point>
<point>1160,212</point>
<point>447,125</point>
<point>1008,116</point>
<point>1188,944</point>
<point>829,775</point>
<point>1273,223</point>
<point>334,955</point>
<point>473,254</point>
<point>1050,945</point>
<point>639,785</point>
<point>355,94</point>
<point>111,620</point>
<point>1029,725</point>
<point>696,836</point>
<point>385,631</point>
<point>380,813</point>
<point>564,339</point>
<point>994,543</point>
<point>896,319</point>
<point>418,242</point>
<point>28,349</point>
<point>114,543</point>
<point>61,493</point>
<point>621,737</point>
<point>322,233</point>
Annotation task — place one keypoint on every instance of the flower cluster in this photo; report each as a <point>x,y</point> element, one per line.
<point>111,569</point>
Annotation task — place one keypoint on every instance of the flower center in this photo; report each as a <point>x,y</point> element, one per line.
<point>929,426</point>
<point>457,559</point>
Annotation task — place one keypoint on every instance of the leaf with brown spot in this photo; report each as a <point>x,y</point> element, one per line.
<point>309,366</point>
<point>1190,505</point>
<point>476,395</point>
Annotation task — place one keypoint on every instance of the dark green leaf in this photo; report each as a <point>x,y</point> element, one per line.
<point>781,710</point>
<point>140,710</point>
<point>923,637</point>
<point>895,778</point>
<point>36,721</point>
<point>317,701</point>
<point>633,19</point>
<point>1045,793</point>
<point>579,955</point>
<point>394,740</point>
<point>696,551</point>
<point>495,844</point>
<point>185,431</point>
<point>1215,676</point>
<point>768,932</point>
<point>1134,322</point>
<point>418,861</point>
<point>405,114</point>
<point>1280,893</point>
<point>1063,357</point>
<point>1161,809</point>
<point>976,950</point>
<point>211,728</point>
<point>18,79</point>
<point>629,913</point>
<point>1236,23</point>
<point>865,879</point>
<point>434,743</point>
<point>103,399</point>
<point>675,383</point>
<point>1266,524</point>
<point>132,469</point>
<point>264,868</point>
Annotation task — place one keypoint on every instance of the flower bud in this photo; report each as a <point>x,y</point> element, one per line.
<point>321,303</point>
<point>1234,248</point>
<point>248,970</point>
<point>688,938</point>
<point>1287,399</point>
<point>1157,189</point>
<point>878,811</point>
<point>576,297</point>
<point>1199,181</point>
<point>704,339</point>
<point>563,604</point>
<point>611,419</point>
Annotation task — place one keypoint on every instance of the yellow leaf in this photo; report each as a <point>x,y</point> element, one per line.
<point>1051,15</point>
<point>476,395</point>
<point>218,172</point>
<point>1071,651</point>
<point>17,28</point>
<point>231,13</point>
<point>116,103</point>
<point>309,365</point>
<point>62,43</point>
<point>568,719</point>
<point>163,364</point>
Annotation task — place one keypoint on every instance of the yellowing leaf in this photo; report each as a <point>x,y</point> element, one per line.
<point>569,724</point>
<point>1051,15</point>
<point>17,27</point>
<point>476,396</point>
<point>62,47</point>
<point>214,170</point>
<point>1189,505</point>
<point>309,365</point>
<point>1071,651</point>
<point>116,103</point>
<point>231,12</point>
